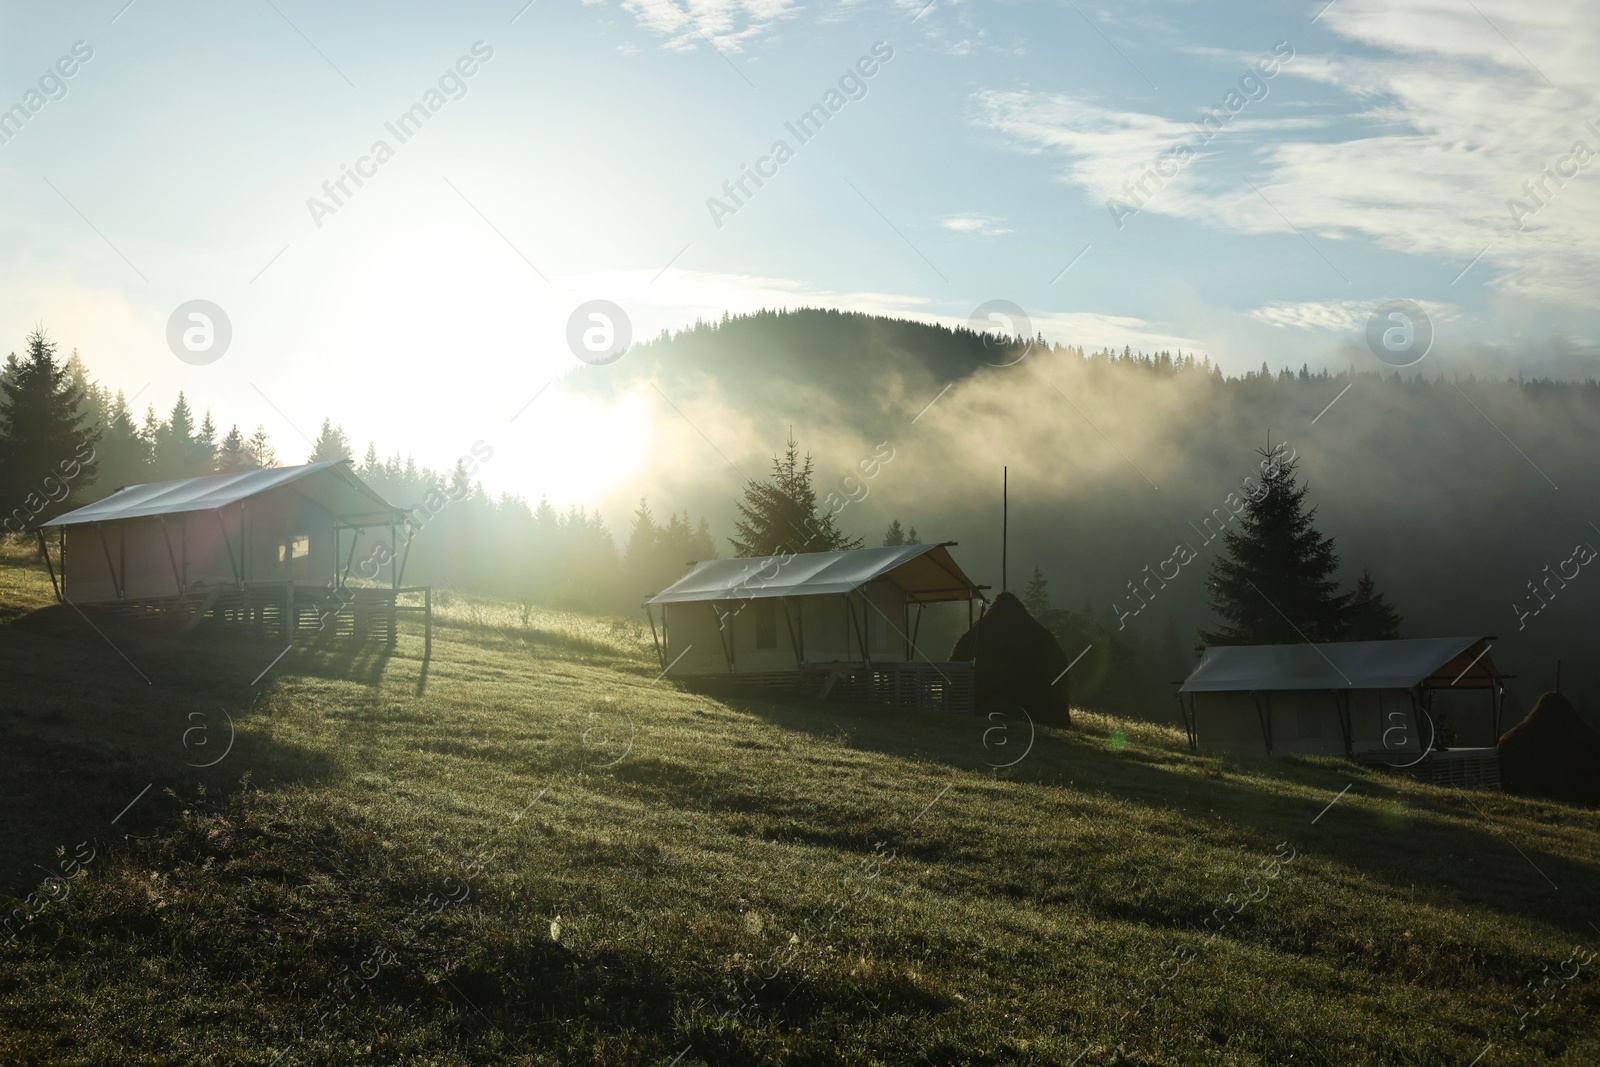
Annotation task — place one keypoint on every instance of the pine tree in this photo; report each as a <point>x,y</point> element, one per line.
<point>371,466</point>
<point>912,537</point>
<point>701,546</point>
<point>47,447</point>
<point>332,444</point>
<point>1274,585</point>
<point>233,455</point>
<point>259,449</point>
<point>1036,598</point>
<point>641,556</point>
<point>124,452</point>
<point>895,535</point>
<point>175,443</point>
<point>204,457</point>
<point>781,514</point>
<point>1370,617</point>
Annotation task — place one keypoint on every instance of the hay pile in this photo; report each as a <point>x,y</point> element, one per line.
<point>1016,660</point>
<point>1552,753</point>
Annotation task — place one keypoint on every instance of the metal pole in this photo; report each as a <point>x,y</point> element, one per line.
<point>1005,523</point>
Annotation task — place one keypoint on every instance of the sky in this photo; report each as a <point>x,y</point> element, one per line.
<point>1056,156</point>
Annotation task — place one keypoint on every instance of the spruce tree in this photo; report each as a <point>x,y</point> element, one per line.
<point>43,435</point>
<point>233,455</point>
<point>332,444</point>
<point>1274,584</point>
<point>780,514</point>
<point>1370,616</point>
<point>260,450</point>
<point>124,452</point>
<point>895,535</point>
<point>203,458</point>
<point>175,443</point>
<point>1036,598</point>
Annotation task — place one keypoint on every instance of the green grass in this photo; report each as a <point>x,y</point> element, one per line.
<point>624,871</point>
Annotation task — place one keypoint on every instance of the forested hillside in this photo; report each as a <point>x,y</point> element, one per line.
<point>1471,502</point>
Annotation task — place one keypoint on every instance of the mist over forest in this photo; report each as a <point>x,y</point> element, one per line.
<point>1469,501</point>
<point>1455,492</point>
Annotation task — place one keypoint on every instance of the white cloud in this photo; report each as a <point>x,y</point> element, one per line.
<point>981,225</point>
<point>1448,112</point>
<point>1336,316</point>
<point>727,24</point>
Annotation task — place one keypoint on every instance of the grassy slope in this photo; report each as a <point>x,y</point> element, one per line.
<point>750,882</point>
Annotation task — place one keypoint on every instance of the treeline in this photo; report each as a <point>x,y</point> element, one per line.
<point>66,440</point>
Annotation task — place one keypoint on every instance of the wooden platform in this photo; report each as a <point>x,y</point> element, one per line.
<point>287,609</point>
<point>1462,768</point>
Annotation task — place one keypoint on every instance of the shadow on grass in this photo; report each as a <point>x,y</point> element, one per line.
<point>1464,844</point>
<point>106,729</point>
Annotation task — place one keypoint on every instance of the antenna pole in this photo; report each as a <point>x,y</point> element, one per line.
<point>1005,522</point>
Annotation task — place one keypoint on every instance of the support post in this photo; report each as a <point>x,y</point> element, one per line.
<point>724,636</point>
<point>861,632</point>
<point>177,577</point>
<point>238,579</point>
<point>799,660</point>
<point>355,536</point>
<point>1184,713</point>
<point>1341,700</point>
<point>44,550</point>
<point>116,583</point>
<point>1264,714</point>
<point>661,656</point>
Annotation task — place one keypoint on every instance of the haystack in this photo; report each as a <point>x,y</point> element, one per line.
<point>1017,659</point>
<point>1552,753</point>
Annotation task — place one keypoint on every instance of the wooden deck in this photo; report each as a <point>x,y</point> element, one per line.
<point>288,609</point>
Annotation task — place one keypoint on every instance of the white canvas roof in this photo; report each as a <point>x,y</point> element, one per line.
<point>330,484</point>
<point>1341,665</point>
<point>926,572</point>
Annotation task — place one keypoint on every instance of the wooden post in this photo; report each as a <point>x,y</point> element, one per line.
<point>799,662</point>
<point>177,576</point>
<point>725,641</point>
<point>661,656</point>
<point>116,583</point>
<point>427,623</point>
<point>1264,714</point>
<point>238,576</point>
<point>1341,700</point>
<point>44,550</point>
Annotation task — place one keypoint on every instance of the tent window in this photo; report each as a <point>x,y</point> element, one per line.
<point>766,624</point>
<point>294,556</point>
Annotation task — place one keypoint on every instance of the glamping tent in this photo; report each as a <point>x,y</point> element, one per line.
<point>1016,661</point>
<point>843,621</point>
<point>1359,699</point>
<point>257,546</point>
<point>1552,753</point>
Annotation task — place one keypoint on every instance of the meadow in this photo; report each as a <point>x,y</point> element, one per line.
<point>531,850</point>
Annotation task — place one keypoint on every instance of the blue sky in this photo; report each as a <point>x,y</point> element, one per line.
<point>1375,162</point>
